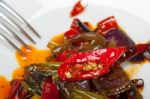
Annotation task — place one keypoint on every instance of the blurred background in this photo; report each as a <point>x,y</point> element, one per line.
<point>37,7</point>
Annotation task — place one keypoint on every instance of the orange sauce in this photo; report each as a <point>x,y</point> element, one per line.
<point>4,87</point>
<point>59,38</point>
<point>32,56</point>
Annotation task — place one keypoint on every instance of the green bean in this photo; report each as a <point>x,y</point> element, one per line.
<point>52,45</point>
<point>81,94</point>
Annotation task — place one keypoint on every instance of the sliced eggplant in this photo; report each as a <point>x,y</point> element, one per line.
<point>114,83</point>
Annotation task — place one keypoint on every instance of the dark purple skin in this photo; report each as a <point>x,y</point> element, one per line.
<point>120,37</point>
<point>109,83</point>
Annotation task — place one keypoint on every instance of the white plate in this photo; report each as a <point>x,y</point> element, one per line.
<point>58,21</point>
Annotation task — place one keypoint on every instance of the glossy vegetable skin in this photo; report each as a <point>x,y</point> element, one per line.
<point>71,33</point>
<point>98,40</point>
<point>119,37</point>
<point>66,54</point>
<point>15,86</point>
<point>107,25</point>
<point>50,90</point>
<point>36,73</point>
<point>66,88</point>
<point>74,68</point>
<point>81,94</point>
<point>80,65</point>
<point>110,30</point>
<point>77,9</point>
<point>133,51</point>
<point>77,27</point>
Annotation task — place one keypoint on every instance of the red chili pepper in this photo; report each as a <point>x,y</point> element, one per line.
<point>23,93</point>
<point>71,33</point>
<point>75,25</point>
<point>50,90</point>
<point>75,68</point>
<point>77,9</point>
<point>133,51</point>
<point>63,56</point>
<point>107,25</point>
<point>140,48</point>
<point>15,85</point>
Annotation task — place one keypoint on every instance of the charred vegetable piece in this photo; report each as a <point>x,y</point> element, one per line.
<point>76,26</point>
<point>82,94</point>
<point>27,87</point>
<point>37,72</point>
<point>139,83</point>
<point>77,9</point>
<point>82,42</point>
<point>43,69</point>
<point>113,83</point>
<point>50,90</point>
<point>15,86</point>
<point>84,27</point>
<point>67,87</point>
<point>107,25</point>
<point>86,65</point>
<point>79,26</point>
<point>93,38</point>
<point>138,58</point>
<point>131,94</point>
<point>24,94</point>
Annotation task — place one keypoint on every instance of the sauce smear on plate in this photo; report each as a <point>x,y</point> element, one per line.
<point>33,56</point>
<point>4,87</point>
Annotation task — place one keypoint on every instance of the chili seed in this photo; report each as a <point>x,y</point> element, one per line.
<point>100,66</point>
<point>89,67</point>
<point>92,64</point>
<point>84,69</point>
<point>68,75</point>
<point>95,68</point>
